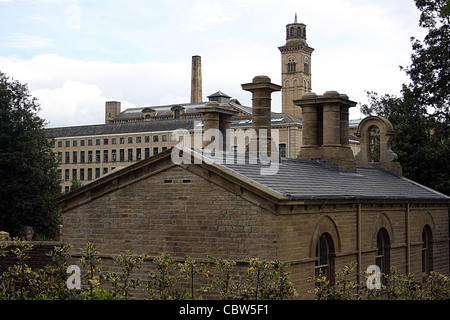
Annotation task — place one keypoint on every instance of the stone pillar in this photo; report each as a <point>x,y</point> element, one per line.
<point>331,121</point>
<point>309,130</point>
<point>344,126</point>
<point>261,89</point>
<point>217,116</point>
<point>225,127</point>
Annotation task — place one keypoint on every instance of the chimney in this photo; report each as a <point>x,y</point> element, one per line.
<point>217,116</point>
<point>325,129</point>
<point>261,89</point>
<point>112,110</point>
<point>196,80</point>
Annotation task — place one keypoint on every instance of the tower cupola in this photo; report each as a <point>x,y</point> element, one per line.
<point>296,32</point>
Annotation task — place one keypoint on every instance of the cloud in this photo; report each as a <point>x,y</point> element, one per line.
<point>23,41</point>
<point>73,92</point>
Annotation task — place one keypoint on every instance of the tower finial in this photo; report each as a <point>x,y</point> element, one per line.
<point>295,20</point>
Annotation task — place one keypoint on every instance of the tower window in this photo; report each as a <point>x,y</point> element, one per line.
<point>306,68</point>
<point>299,32</point>
<point>291,66</point>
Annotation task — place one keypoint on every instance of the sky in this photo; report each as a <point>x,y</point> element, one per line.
<point>77,54</point>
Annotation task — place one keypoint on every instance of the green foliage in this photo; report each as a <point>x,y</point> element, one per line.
<point>171,279</point>
<point>161,283</point>
<point>93,276</point>
<point>396,287</point>
<point>121,283</point>
<point>28,168</point>
<point>223,281</point>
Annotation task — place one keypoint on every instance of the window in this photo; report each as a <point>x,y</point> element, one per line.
<point>282,150</point>
<point>306,68</point>
<point>89,142</point>
<point>382,254</point>
<point>147,138</point>
<point>66,175</point>
<point>138,154</point>
<point>67,157</point>
<point>130,139</point>
<point>164,138</point>
<point>82,156</point>
<point>97,155</point>
<point>59,144</point>
<point>138,139</point>
<point>97,173</point>
<point>322,264</point>
<point>130,154</point>
<point>82,143</point>
<point>122,140</point>
<point>90,156</point>
<point>113,156</point>
<point>97,142</point>
<point>155,151</point>
<point>105,171</point>
<point>74,174</point>
<point>122,155</point>
<point>59,174</point>
<point>59,157</point>
<point>74,156</point>
<point>163,148</point>
<point>89,174</point>
<point>155,138</point>
<point>82,174</point>
<point>177,114</point>
<point>105,142</point>
<point>292,66</point>
<point>426,250</point>
<point>67,144</point>
<point>74,143</point>
<point>147,153</point>
<point>105,155</point>
<point>113,140</point>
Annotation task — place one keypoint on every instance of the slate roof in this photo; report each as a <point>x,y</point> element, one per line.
<point>118,128</point>
<point>309,180</point>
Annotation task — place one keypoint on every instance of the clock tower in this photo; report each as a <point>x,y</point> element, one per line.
<point>295,67</point>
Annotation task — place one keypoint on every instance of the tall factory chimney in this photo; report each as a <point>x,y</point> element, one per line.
<point>196,80</point>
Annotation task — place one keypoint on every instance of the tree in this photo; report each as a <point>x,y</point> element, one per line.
<point>421,115</point>
<point>28,169</point>
<point>430,67</point>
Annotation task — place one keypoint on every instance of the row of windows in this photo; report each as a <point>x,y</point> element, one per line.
<point>115,156</point>
<point>106,141</point>
<point>325,253</point>
<point>84,174</point>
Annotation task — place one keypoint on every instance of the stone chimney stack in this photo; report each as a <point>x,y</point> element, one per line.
<point>261,89</point>
<point>217,116</point>
<point>196,80</point>
<point>112,110</point>
<point>325,129</point>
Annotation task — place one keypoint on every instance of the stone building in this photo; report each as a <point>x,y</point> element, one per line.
<point>86,153</point>
<point>321,210</point>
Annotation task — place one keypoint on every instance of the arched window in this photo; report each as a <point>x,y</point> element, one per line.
<point>291,66</point>
<point>382,254</point>
<point>292,31</point>
<point>299,32</point>
<point>324,251</point>
<point>426,250</point>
